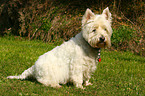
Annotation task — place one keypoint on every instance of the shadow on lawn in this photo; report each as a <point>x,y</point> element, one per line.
<point>36,82</point>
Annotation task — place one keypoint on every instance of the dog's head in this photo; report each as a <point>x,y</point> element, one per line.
<point>96,29</point>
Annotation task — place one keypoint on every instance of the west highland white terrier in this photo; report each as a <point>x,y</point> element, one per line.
<point>75,60</point>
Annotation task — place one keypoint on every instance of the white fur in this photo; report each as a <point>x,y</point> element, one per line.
<point>75,60</point>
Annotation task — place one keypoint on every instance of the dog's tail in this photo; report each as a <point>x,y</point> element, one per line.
<point>25,75</point>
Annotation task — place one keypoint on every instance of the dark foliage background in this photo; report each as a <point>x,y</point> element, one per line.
<point>52,20</point>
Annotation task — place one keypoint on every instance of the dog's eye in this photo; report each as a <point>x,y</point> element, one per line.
<point>94,30</point>
<point>105,29</point>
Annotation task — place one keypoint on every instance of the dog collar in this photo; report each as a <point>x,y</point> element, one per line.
<point>99,53</point>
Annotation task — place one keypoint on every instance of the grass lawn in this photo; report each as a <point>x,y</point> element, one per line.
<point>118,74</point>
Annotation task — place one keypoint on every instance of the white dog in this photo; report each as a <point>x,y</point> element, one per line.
<point>75,60</point>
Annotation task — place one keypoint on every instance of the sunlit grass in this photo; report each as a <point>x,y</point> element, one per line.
<point>119,73</point>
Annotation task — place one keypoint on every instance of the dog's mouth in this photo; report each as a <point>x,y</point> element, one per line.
<point>101,45</point>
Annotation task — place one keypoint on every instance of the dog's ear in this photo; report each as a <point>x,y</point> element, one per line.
<point>88,15</point>
<point>107,14</point>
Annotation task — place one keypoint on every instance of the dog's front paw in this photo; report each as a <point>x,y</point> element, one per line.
<point>87,83</point>
<point>79,86</point>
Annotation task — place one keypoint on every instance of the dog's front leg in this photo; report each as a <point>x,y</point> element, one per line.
<point>78,81</point>
<point>77,76</point>
<point>86,79</point>
<point>86,83</point>
<point>87,76</point>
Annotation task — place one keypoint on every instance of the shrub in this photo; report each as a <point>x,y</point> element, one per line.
<point>126,38</point>
<point>51,20</point>
<point>121,36</point>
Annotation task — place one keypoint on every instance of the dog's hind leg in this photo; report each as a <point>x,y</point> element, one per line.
<point>26,74</point>
<point>46,82</point>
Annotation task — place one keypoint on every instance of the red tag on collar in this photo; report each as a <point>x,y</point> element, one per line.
<point>99,59</point>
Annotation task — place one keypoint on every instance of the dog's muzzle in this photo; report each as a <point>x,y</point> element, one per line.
<point>101,42</point>
<point>102,39</point>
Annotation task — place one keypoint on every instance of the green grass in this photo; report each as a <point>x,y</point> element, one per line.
<point>118,74</point>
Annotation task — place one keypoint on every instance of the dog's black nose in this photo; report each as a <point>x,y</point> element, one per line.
<point>102,39</point>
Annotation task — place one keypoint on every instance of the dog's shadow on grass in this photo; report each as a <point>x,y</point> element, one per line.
<point>31,80</point>
<point>69,84</point>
